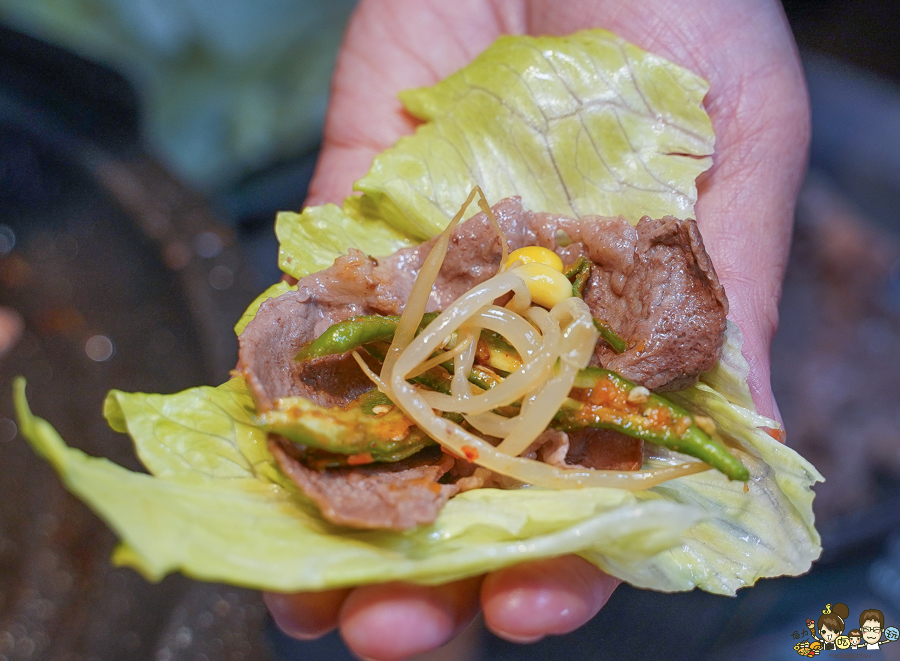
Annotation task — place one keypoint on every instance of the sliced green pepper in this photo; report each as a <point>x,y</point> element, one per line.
<point>578,273</point>
<point>496,352</point>
<point>353,333</point>
<point>612,338</point>
<point>361,428</point>
<point>601,398</point>
<point>321,459</point>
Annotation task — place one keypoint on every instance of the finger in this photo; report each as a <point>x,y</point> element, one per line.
<point>526,602</point>
<point>759,109</point>
<point>306,615</point>
<point>389,47</point>
<point>11,327</point>
<point>396,620</point>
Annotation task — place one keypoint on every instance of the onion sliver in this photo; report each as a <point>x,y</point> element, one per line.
<point>442,357</point>
<point>454,437</point>
<point>540,411</point>
<point>462,362</point>
<point>579,336</point>
<point>512,326</point>
<point>516,386</point>
<point>481,296</point>
<point>421,290</point>
<point>492,424</point>
<point>521,298</point>
<point>374,378</point>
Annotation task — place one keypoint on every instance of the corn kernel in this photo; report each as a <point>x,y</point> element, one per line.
<point>546,285</point>
<point>535,254</point>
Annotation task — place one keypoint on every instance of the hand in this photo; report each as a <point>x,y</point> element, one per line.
<point>759,109</point>
<point>11,327</point>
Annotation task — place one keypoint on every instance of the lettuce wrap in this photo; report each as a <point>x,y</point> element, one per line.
<point>584,124</point>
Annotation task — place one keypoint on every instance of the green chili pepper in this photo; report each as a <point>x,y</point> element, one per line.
<point>371,399</point>
<point>361,428</point>
<point>610,402</point>
<point>370,429</point>
<point>612,338</point>
<point>498,353</point>
<point>578,273</point>
<point>322,459</point>
<point>353,333</point>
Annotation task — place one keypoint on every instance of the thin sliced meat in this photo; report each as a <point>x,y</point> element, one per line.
<point>605,449</point>
<point>396,496</point>
<point>358,285</point>
<point>654,284</point>
<point>284,324</point>
<point>659,291</point>
<point>600,449</point>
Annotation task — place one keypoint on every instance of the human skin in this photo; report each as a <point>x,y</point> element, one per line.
<point>759,110</point>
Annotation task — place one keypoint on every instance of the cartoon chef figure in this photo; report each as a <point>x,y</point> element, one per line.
<point>831,625</point>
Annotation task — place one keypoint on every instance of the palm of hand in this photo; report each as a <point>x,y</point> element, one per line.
<point>758,106</point>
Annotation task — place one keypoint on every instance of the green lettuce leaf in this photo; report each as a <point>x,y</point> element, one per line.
<point>580,124</point>
<point>216,510</point>
<point>277,289</point>
<point>311,241</point>
<point>584,124</point>
<point>765,528</point>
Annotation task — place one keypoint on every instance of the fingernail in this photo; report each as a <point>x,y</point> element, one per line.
<point>280,609</point>
<point>304,617</point>
<point>522,640</point>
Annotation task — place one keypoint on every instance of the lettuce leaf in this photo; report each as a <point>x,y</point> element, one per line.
<point>757,532</point>
<point>217,510</point>
<point>277,289</point>
<point>584,124</point>
<point>579,124</point>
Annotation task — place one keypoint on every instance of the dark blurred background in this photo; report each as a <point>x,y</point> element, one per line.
<point>145,147</point>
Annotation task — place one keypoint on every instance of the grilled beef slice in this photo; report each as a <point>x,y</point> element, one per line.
<point>659,291</point>
<point>359,285</point>
<point>395,496</point>
<point>652,283</point>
